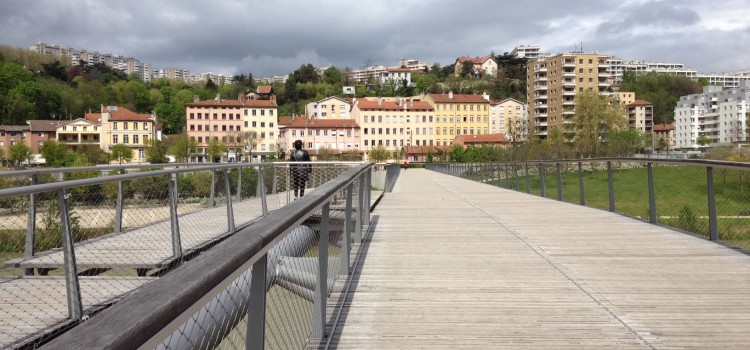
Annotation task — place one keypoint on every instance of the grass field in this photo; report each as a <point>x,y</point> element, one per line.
<point>681,199</point>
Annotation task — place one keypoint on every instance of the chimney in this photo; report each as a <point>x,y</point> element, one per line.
<point>241,96</point>
<point>399,101</point>
<point>411,101</point>
<point>485,96</point>
<point>196,98</point>
<point>380,101</point>
<point>450,94</point>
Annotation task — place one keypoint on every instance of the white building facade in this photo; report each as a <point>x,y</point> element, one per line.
<point>720,115</point>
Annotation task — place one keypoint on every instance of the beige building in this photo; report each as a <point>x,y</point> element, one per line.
<point>329,108</point>
<point>457,114</point>
<point>641,115</point>
<point>482,66</point>
<point>665,132</point>
<point>246,127</point>
<point>394,124</point>
<point>117,125</point>
<point>510,118</point>
<point>553,83</point>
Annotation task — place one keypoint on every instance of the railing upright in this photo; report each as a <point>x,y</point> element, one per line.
<point>262,192</point>
<point>542,183</point>
<point>360,210</point>
<point>321,284</point>
<point>173,217</point>
<point>651,196</point>
<point>515,175</point>
<point>255,337</point>
<point>346,244</point>
<point>581,188</point>
<point>528,183</point>
<point>230,209</point>
<point>239,183</point>
<point>507,177</point>
<point>610,187</point>
<point>28,250</point>
<point>212,200</point>
<point>559,183</point>
<point>275,182</point>
<point>72,288</point>
<point>118,205</point>
<point>713,228</point>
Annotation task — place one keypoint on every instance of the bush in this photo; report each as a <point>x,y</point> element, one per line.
<point>688,221</point>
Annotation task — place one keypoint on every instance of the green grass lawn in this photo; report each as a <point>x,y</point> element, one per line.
<point>681,199</point>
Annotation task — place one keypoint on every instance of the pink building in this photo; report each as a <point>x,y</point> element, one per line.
<point>335,135</point>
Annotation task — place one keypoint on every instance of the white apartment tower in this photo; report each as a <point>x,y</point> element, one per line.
<point>720,115</point>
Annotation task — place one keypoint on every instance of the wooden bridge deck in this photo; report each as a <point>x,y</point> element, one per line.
<point>455,264</point>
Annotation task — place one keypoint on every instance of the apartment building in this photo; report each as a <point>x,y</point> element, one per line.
<point>640,115</point>
<point>114,125</point>
<point>394,125</point>
<point>485,65</point>
<point>718,114</point>
<point>510,117</point>
<point>173,73</point>
<point>529,52</point>
<point>329,108</point>
<point>33,134</point>
<point>553,83</point>
<point>664,132</point>
<point>245,126</point>
<point>457,114</point>
<point>335,135</point>
<point>396,75</point>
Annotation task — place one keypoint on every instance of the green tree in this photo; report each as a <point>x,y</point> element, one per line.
<point>661,89</point>
<point>703,141</point>
<point>625,143</point>
<point>122,153</point>
<point>596,116</point>
<point>216,150</point>
<point>183,147</point>
<point>332,76</point>
<point>20,152</point>
<point>467,69</point>
<point>379,154</point>
<point>54,153</point>
<point>156,152</point>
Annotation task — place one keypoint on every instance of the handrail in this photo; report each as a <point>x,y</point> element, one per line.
<point>144,314</point>
<point>704,162</point>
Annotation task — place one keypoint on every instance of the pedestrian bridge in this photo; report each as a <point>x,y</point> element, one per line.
<point>440,262</point>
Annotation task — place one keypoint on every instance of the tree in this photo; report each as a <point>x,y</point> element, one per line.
<point>54,153</point>
<point>625,143</point>
<point>216,150</point>
<point>703,141</point>
<point>378,154</point>
<point>182,148</point>
<point>661,89</point>
<point>20,152</point>
<point>156,152</point>
<point>467,69</point>
<point>122,152</point>
<point>595,117</point>
<point>332,76</point>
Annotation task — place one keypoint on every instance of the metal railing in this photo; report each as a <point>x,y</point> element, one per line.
<point>72,248</point>
<point>706,198</point>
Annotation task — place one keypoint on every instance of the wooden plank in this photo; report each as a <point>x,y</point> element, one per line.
<point>455,264</point>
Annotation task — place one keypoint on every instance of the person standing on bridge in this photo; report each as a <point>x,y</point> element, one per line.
<point>299,172</point>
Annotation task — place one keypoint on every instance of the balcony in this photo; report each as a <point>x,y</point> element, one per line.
<point>569,102</point>
<point>567,82</point>
<point>569,92</point>
<point>569,64</point>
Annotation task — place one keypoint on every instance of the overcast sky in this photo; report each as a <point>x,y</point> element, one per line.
<point>275,37</point>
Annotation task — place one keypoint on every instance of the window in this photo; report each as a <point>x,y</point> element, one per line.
<point>245,123</point>
<point>125,139</point>
<point>145,139</point>
<point>223,116</point>
<point>115,138</point>
<point>135,139</point>
<point>216,116</point>
<point>216,128</point>
<point>254,125</point>
<point>200,139</point>
<point>145,126</point>
<point>135,125</point>
<point>114,126</point>
<point>262,124</point>
<point>262,112</point>
<point>270,112</point>
<point>294,132</point>
<point>253,112</point>
<point>192,115</point>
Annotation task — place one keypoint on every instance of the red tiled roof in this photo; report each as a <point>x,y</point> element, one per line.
<point>474,60</point>
<point>94,117</point>
<point>392,105</point>
<point>124,114</point>
<point>639,103</point>
<point>483,138</point>
<point>398,70</point>
<point>14,127</point>
<point>283,121</point>
<point>663,127</point>
<point>312,123</point>
<point>458,98</point>
<point>264,89</point>
<point>234,103</point>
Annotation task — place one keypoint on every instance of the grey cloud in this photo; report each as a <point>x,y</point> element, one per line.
<point>657,14</point>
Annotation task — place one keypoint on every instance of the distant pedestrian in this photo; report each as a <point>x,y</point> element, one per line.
<point>299,172</point>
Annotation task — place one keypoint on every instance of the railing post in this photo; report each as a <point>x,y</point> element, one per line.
<point>274,182</point>
<point>72,288</point>
<point>528,183</point>
<point>651,196</point>
<point>118,205</point>
<point>255,338</point>
<point>360,210</point>
<point>321,292</point>
<point>515,175</point>
<point>346,244</point>
<point>230,209</point>
<point>610,187</point>
<point>288,185</point>
<point>28,251</point>
<point>542,183</point>
<point>262,192</point>
<point>581,188</point>
<point>173,217</point>
<point>212,201</point>
<point>368,194</point>
<point>507,178</point>
<point>559,184</point>
<point>713,228</point>
<point>239,184</point>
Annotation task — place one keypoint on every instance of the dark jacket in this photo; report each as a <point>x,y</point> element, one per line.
<point>300,171</point>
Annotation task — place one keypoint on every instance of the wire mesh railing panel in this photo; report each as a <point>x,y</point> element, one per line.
<point>595,184</point>
<point>680,197</point>
<point>732,190</point>
<point>631,194</point>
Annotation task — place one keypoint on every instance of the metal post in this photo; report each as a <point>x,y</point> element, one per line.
<point>173,217</point>
<point>559,184</point>
<point>255,338</point>
<point>611,187</point>
<point>275,182</point>
<point>360,210</point>
<point>72,288</point>
<point>321,292</point>
<point>543,185</point>
<point>346,243</point>
<point>581,189</point>
<point>515,175</point>
<point>368,193</point>
<point>713,228</point>
<point>212,201</point>
<point>239,184</point>
<point>230,210</point>
<point>288,185</point>
<point>262,193</point>
<point>118,205</point>
<point>528,183</point>
<point>507,178</point>
<point>28,251</point>
<point>651,196</point>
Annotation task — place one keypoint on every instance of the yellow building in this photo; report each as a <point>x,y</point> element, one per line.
<point>78,133</point>
<point>119,125</point>
<point>459,114</point>
<point>554,82</point>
